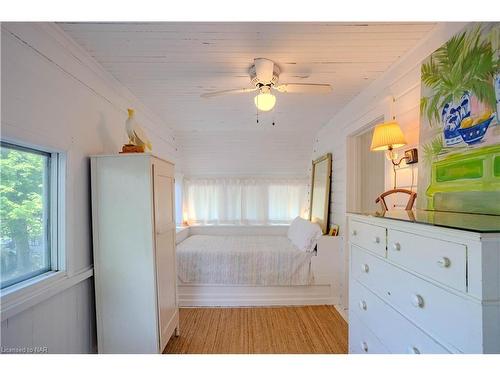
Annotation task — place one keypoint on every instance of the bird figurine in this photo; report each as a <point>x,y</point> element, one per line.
<point>137,138</point>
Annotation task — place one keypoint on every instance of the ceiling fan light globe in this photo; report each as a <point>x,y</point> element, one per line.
<point>265,102</point>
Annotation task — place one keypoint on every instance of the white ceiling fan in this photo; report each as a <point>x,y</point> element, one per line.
<point>264,75</point>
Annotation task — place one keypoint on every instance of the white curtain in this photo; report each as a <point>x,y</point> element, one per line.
<point>243,201</point>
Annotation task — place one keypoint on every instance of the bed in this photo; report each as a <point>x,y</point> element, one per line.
<point>255,266</point>
<point>243,260</point>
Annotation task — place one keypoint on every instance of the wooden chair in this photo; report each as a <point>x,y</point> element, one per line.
<point>409,205</point>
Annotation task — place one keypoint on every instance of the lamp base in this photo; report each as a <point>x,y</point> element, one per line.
<point>130,149</point>
<point>391,155</point>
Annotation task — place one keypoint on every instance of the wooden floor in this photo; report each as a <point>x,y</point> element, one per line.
<point>304,329</point>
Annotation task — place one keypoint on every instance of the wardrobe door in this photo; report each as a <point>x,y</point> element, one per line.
<point>163,182</point>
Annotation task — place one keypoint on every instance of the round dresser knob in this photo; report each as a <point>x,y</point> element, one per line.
<point>362,305</point>
<point>444,262</point>
<point>413,350</point>
<point>396,246</point>
<point>365,268</point>
<point>354,232</point>
<point>417,300</point>
<point>376,240</point>
<point>364,346</point>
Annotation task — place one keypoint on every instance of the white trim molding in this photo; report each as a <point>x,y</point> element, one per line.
<point>22,296</point>
<point>198,295</point>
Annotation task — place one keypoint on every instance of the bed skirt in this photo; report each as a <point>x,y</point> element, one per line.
<point>242,261</point>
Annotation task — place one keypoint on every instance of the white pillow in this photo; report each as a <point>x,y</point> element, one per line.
<point>304,234</point>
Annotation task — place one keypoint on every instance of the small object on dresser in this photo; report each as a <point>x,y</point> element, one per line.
<point>334,230</point>
<point>129,148</point>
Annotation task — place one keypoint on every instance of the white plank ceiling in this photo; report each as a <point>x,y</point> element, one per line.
<point>168,65</point>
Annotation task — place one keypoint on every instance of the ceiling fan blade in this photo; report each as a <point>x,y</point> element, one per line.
<point>227,92</point>
<point>264,70</point>
<point>306,88</point>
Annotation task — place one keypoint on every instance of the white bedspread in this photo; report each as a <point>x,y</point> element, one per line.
<point>242,260</point>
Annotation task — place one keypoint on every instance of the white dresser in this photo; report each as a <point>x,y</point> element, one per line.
<point>134,253</point>
<point>420,288</point>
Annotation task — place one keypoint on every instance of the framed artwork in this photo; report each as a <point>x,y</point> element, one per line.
<point>334,230</point>
<point>459,124</point>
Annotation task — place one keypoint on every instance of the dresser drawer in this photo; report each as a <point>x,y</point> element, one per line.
<point>364,268</point>
<point>395,332</point>
<point>440,260</point>
<point>371,237</point>
<point>451,319</point>
<point>362,340</point>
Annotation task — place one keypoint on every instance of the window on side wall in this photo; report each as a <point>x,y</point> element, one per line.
<point>28,213</point>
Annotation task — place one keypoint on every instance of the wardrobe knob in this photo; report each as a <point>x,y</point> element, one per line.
<point>396,246</point>
<point>376,240</point>
<point>413,350</point>
<point>417,300</point>
<point>364,346</point>
<point>354,232</point>
<point>444,262</point>
<point>365,268</point>
<point>362,305</point>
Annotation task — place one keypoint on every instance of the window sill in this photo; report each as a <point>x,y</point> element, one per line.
<point>38,281</point>
<point>225,225</point>
<point>22,296</point>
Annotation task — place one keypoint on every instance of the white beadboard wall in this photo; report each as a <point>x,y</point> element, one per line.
<point>54,95</point>
<point>262,152</point>
<point>401,81</point>
<point>64,323</point>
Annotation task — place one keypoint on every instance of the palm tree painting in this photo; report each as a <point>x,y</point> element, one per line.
<point>459,126</point>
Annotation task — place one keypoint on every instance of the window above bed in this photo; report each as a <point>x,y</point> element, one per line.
<point>243,201</point>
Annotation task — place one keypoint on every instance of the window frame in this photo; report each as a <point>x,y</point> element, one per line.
<point>55,215</point>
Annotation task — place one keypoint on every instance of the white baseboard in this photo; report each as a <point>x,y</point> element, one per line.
<point>343,311</point>
<point>235,295</point>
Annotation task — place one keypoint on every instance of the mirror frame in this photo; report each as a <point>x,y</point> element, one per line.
<point>326,210</point>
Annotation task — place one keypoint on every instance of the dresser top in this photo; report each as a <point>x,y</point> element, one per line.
<point>463,221</point>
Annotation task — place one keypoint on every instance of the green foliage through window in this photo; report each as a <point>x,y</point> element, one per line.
<point>24,213</point>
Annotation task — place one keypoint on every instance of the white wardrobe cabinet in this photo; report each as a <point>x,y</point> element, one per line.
<point>133,226</point>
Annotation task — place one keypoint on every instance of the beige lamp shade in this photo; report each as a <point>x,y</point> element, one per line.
<point>387,136</point>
